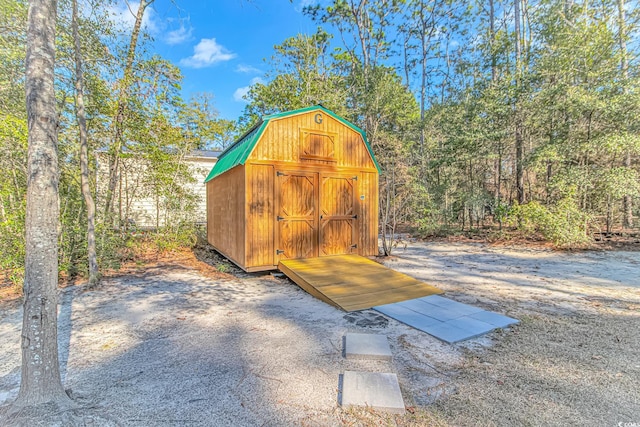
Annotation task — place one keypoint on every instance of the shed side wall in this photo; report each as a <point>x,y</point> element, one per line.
<point>226,214</point>
<point>260,216</point>
<point>368,221</point>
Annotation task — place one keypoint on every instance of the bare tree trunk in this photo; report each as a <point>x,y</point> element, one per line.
<point>121,107</point>
<point>492,33</point>
<point>84,153</point>
<point>40,382</point>
<point>423,73</point>
<point>518,119</point>
<point>627,206</point>
<point>405,53</point>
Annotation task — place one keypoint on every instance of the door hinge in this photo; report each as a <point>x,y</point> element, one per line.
<point>279,251</point>
<point>355,178</point>
<point>354,246</point>
<point>278,173</point>
<point>279,218</point>
<point>355,217</point>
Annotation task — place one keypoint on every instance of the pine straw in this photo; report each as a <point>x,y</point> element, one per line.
<point>575,370</point>
<point>552,370</point>
<point>365,417</point>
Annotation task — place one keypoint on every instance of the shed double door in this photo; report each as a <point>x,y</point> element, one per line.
<point>316,214</point>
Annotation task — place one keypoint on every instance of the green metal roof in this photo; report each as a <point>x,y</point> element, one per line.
<point>239,151</point>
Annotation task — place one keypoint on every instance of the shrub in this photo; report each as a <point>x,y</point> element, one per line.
<point>564,223</point>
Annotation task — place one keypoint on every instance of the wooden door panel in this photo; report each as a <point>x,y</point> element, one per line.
<point>337,215</point>
<point>337,196</point>
<point>297,216</point>
<point>297,195</point>
<point>297,238</point>
<point>337,237</point>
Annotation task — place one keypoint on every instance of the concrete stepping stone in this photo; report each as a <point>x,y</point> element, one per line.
<point>379,391</point>
<point>366,346</point>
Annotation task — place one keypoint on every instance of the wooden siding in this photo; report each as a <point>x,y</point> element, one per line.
<point>284,140</point>
<point>368,215</point>
<point>226,214</point>
<point>260,216</point>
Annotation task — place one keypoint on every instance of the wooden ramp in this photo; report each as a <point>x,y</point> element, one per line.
<point>352,282</point>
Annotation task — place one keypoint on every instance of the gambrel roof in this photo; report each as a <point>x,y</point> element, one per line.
<point>238,152</point>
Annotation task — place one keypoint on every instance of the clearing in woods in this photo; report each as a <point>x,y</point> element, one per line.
<point>180,343</point>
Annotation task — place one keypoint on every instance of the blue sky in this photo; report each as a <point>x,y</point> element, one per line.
<point>220,45</point>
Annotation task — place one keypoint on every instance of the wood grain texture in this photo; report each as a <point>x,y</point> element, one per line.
<point>297,219</point>
<point>338,216</point>
<point>308,189</point>
<point>226,214</point>
<point>289,138</point>
<point>352,282</point>
<point>368,213</point>
<point>260,216</point>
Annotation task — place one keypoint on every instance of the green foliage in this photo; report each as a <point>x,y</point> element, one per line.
<point>202,126</point>
<point>437,88</point>
<point>303,75</point>
<point>174,236</point>
<point>563,223</point>
<point>224,267</point>
<point>159,128</point>
<point>13,151</point>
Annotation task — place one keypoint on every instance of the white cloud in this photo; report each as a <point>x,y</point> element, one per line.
<point>207,53</point>
<point>124,17</point>
<point>247,69</point>
<point>241,92</point>
<point>178,36</point>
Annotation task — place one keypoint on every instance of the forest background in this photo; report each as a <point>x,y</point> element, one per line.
<point>503,115</point>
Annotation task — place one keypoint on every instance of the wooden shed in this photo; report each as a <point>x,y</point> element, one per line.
<point>299,184</point>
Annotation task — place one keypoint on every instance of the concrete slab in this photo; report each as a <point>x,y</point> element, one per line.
<point>366,346</point>
<point>418,306</point>
<point>453,306</point>
<point>379,391</point>
<point>439,301</point>
<point>448,333</point>
<point>473,326</point>
<point>438,313</point>
<point>445,319</point>
<point>407,316</point>
<point>495,319</point>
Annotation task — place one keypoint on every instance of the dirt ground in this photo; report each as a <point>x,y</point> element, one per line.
<point>178,343</point>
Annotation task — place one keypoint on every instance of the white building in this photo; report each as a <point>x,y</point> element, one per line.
<point>136,200</point>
